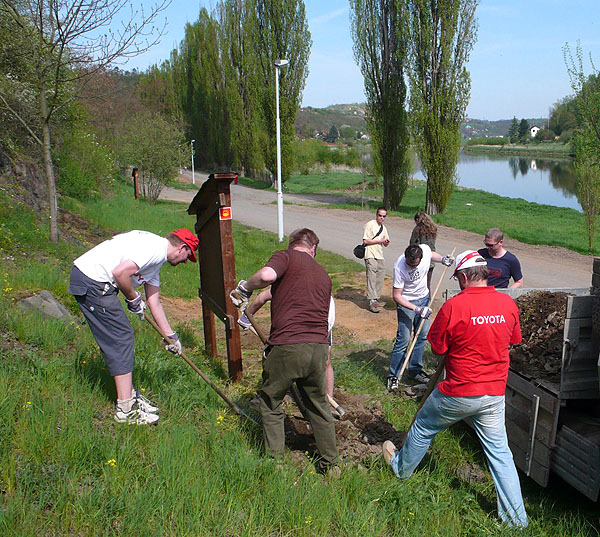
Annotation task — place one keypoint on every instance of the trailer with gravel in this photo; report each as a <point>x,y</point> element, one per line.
<point>553,387</point>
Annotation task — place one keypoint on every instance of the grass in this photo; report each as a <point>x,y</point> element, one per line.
<point>67,469</point>
<point>548,149</point>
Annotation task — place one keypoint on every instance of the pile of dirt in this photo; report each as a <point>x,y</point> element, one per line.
<point>359,432</point>
<point>542,317</point>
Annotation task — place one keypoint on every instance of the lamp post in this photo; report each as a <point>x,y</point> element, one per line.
<point>193,174</point>
<point>278,65</point>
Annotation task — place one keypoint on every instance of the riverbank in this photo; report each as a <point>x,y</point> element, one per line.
<point>546,150</point>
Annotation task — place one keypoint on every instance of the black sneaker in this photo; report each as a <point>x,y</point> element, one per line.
<point>392,384</point>
<point>422,378</point>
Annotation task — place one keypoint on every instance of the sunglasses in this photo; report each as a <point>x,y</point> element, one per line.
<point>381,215</point>
<point>488,245</point>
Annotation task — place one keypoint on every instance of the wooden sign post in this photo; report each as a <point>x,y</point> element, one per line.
<point>212,207</point>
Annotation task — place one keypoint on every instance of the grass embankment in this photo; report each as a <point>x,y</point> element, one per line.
<point>67,469</point>
<point>468,210</point>
<point>543,149</point>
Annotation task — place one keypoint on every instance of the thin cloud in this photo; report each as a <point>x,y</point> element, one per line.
<point>322,19</point>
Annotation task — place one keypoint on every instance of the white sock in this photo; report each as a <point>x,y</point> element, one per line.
<point>125,405</point>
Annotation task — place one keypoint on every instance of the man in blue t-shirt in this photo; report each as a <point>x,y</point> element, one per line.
<point>501,263</point>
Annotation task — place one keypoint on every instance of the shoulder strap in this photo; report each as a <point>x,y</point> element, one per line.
<point>380,230</point>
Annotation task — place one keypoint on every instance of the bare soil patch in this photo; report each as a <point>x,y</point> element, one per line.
<point>359,433</point>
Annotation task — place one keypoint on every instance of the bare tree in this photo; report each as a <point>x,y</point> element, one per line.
<point>69,41</point>
<point>380,48</point>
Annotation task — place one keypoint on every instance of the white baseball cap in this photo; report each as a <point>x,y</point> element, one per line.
<point>468,259</point>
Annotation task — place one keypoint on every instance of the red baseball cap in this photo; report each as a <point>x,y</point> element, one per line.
<point>190,239</point>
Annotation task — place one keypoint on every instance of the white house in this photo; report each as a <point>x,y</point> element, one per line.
<point>534,130</point>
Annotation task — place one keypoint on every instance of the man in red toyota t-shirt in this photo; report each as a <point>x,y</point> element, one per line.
<point>298,342</point>
<point>474,330</point>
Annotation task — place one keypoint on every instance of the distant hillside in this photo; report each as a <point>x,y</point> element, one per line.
<point>478,128</point>
<point>311,120</point>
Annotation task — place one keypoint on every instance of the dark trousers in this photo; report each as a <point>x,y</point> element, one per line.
<point>303,363</point>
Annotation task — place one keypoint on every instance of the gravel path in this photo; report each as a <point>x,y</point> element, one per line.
<point>339,230</point>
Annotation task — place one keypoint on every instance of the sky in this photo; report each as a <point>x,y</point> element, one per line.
<point>516,66</point>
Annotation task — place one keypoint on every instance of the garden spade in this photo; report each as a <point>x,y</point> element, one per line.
<point>236,410</point>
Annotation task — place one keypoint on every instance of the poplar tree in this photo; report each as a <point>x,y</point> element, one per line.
<point>242,83</point>
<point>442,35</point>
<point>281,32</point>
<point>380,50</point>
<point>203,95</point>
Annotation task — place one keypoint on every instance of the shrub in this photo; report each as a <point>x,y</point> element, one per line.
<point>85,166</point>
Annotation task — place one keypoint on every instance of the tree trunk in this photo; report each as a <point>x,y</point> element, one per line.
<point>430,207</point>
<point>48,166</point>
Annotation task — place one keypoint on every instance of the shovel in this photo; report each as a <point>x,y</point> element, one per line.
<point>294,392</point>
<point>414,340</point>
<point>236,410</point>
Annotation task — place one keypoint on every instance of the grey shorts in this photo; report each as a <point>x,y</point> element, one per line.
<point>99,302</point>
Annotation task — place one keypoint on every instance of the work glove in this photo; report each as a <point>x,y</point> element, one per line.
<point>240,295</point>
<point>136,306</point>
<point>175,346</point>
<point>244,322</point>
<point>423,311</point>
<point>447,260</point>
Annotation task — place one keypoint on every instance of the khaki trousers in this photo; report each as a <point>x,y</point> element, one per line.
<point>375,273</point>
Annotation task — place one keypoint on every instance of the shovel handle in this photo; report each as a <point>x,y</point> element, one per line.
<point>431,299</point>
<point>231,404</point>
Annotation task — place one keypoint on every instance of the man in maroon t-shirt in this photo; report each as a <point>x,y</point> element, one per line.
<point>298,341</point>
<point>473,330</point>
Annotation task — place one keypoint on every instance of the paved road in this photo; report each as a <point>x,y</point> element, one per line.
<point>339,230</point>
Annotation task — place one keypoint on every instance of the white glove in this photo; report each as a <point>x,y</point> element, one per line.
<point>136,306</point>
<point>175,346</point>
<point>423,311</point>
<point>447,260</point>
<point>240,295</point>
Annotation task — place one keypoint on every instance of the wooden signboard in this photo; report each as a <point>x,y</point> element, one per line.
<point>212,207</point>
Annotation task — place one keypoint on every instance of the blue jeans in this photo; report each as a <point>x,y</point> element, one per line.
<point>486,415</point>
<point>407,321</point>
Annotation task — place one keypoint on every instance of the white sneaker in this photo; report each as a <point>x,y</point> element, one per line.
<point>136,416</point>
<point>145,404</point>
<point>388,450</point>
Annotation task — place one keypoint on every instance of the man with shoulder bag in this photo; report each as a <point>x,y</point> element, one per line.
<point>375,237</point>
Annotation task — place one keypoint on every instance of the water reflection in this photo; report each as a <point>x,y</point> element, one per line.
<point>547,181</point>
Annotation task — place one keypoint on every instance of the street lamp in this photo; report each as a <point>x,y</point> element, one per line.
<point>278,66</point>
<point>193,174</point>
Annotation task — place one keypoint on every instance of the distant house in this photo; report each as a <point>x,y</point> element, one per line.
<point>534,130</point>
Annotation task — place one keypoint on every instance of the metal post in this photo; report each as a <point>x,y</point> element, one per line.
<point>193,173</point>
<point>278,65</point>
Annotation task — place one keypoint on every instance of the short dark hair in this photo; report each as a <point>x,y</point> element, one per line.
<point>476,274</point>
<point>174,239</point>
<point>303,237</point>
<point>495,233</point>
<point>381,209</point>
<point>413,252</point>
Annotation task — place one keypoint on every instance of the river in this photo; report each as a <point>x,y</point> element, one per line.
<point>546,181</point>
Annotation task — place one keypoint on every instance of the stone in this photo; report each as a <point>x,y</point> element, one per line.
<point>45,303</point>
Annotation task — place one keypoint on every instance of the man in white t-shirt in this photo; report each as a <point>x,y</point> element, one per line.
<point>412,298</point>
<point>123,263</point>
